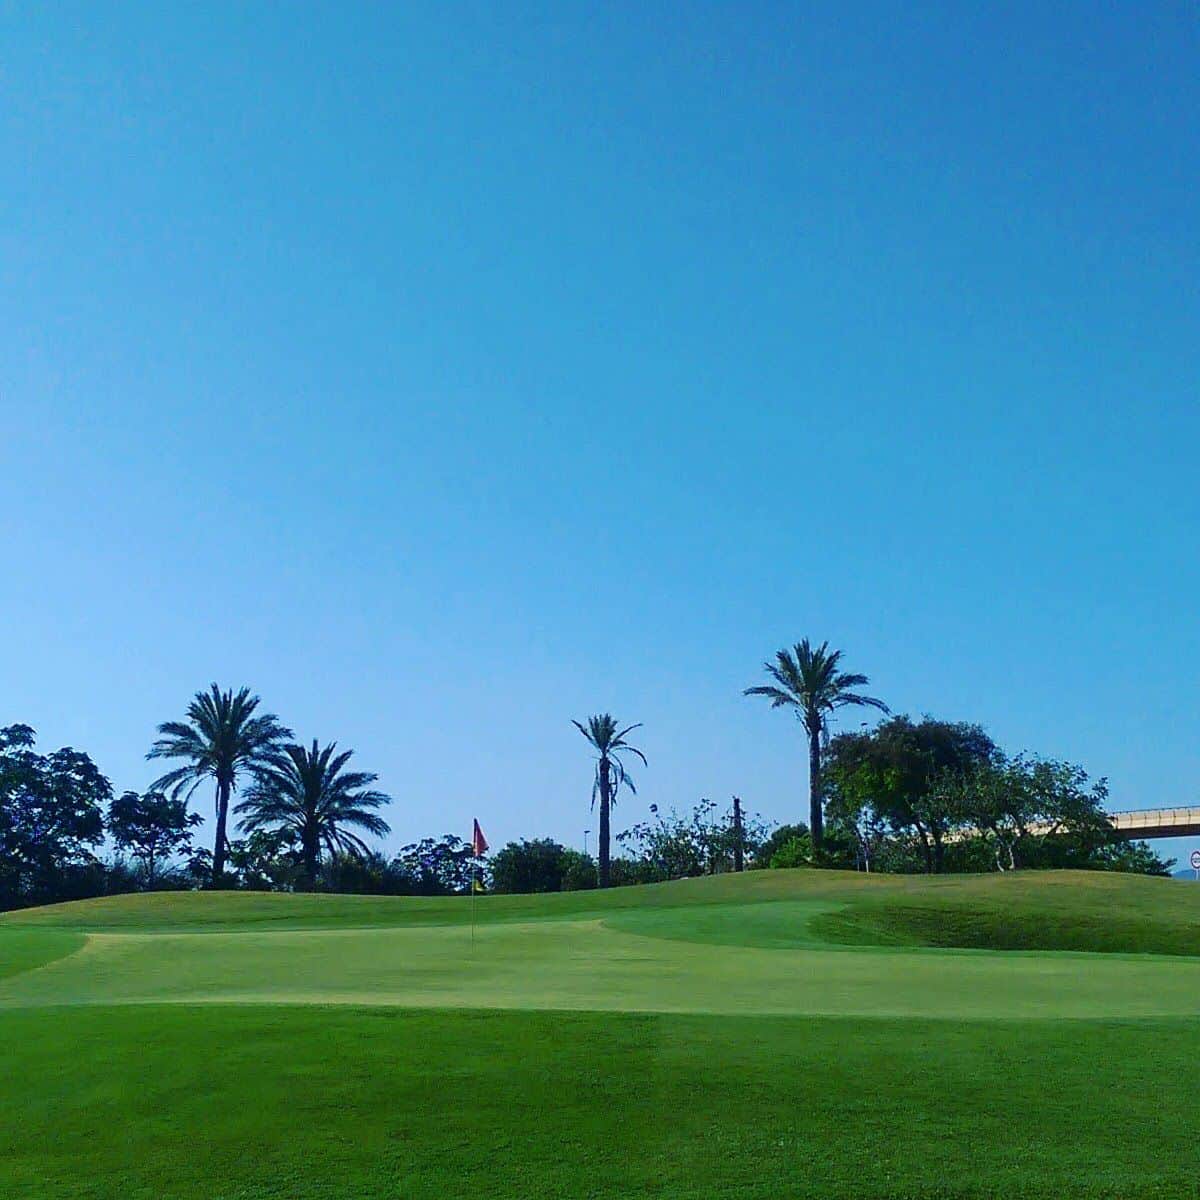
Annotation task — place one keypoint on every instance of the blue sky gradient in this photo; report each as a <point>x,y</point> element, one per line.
<point>450,372</point>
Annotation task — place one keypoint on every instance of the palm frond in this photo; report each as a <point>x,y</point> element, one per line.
<point>307,792</point>
<point>808,679</point>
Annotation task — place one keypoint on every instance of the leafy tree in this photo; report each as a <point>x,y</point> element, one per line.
<point>795,852</point>
<point>856,833</point>
<point>151,828</point>
<point>367,874</point>
<point>609,743</point>
<point>627,871</point>
<point>779,837</point>
<point>434,867</point>
<point>50,816</point>
<point>578,871</point>
<point>701,843</point>
<point>791,846</point>
<point>897,771</point>
<point>811,683</point>
<point>122,877</point>
<point>529,866</point>
<point>1035,812</point>
<point>1134,857</point>
<point>308,795</point>
<point>265,861</point>
<point>221,740</point>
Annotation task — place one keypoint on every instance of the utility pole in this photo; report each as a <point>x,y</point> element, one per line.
<point>739,862</point>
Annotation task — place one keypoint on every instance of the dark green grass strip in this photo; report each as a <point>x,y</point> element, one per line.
<point>991,925</point>
<point>26,949</point>
<point>232,1103</point>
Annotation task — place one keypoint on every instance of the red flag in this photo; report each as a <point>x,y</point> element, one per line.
<point>478,842</point>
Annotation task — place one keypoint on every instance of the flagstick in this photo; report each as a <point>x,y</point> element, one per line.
<point>474,874</point>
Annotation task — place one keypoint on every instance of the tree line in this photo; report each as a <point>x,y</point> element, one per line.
<point>926,795</point>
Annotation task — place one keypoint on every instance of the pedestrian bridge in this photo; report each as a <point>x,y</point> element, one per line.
<point>1157,822</point>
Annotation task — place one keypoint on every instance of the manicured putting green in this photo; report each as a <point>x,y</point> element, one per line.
<point>592,965</point>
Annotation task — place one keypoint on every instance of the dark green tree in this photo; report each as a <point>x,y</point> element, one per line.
<point>1035,812</point>
<point>433,867</point>
<point>151,828</point>
<point>811,683</point>
<point>897,771</point>
<point>609,742</point>
<point>780,836</point>
<point>223,740</point>
<point>529,866</point>
<point>51,815</point>
<point>578,871</point>
<point>308,795</point>
<point>266,861</point>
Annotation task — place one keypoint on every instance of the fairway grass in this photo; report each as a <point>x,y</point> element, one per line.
<point>775,1034</point>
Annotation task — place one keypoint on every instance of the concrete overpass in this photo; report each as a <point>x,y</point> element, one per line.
<point>1142,823</point>
<point>1157,823</point>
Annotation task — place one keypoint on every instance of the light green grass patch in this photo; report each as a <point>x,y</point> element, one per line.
<point>589,965</point>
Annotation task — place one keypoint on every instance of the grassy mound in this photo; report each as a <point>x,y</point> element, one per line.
<point>996,927</point>
<point>1081,911</point>
<point>1047,910</point>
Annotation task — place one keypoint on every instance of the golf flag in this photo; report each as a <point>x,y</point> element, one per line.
<point>478,842</point>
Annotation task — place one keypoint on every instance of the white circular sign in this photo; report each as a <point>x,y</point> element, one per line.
<point>1195,860</point>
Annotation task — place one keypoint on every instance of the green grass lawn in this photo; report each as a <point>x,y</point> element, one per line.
<point>775,1034</point>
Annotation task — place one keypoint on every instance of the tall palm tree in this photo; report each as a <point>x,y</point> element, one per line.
<point>309,795</point>
<point>810,682</point>
<point>609,743</point>
<point>222,740</point>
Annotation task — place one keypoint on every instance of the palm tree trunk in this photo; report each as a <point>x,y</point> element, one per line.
<point>605,803</point>
<point>739,837</point>
<point>311,859</point>
<point>218,867</point>
<point>816,815</point>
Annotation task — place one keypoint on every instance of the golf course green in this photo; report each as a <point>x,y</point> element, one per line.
<point>779,1033</point>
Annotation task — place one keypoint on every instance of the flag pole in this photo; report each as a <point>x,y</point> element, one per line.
<point>478,850</point>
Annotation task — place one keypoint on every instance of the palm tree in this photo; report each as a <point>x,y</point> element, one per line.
<point>609,743</point>
<point>809,682</point>
<point>308,794</point>
<point>222,740</point>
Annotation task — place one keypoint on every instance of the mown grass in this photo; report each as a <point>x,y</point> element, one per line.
<point>994,926</point>
<point>1048,910</point>
<point>315,1104</point>
<point>698,1039</point>
<point>275,910</point>
<point>24,950</point>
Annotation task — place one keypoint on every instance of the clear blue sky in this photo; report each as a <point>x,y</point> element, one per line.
<point>448,371</point>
